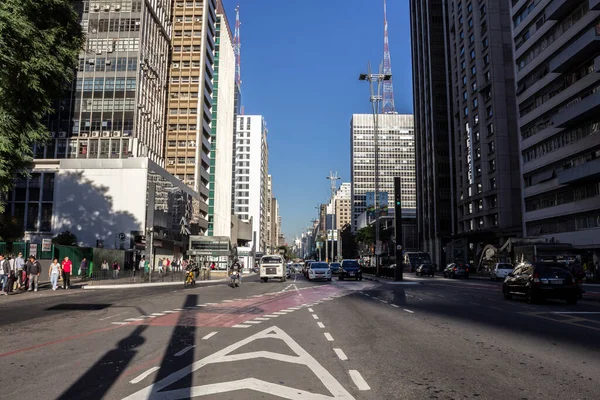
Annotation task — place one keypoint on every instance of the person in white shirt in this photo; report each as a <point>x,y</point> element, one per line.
<point>54,273</point>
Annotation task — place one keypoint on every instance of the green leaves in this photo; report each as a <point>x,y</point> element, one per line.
<point>39,45</point>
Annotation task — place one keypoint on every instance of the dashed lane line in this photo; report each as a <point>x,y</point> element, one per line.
<point>358,380</point>
<point>310,310</point>
<point>144,375</point>
<point>408,311</point>
<point>261,319</point>
<point>321,325</point>
<point>395,305</point>
<point>270,316</point>
<point>315,316</point>
<point>183,351</point>
<point>241,326</point>
<point>328,337</point>
<point>209,335</point>
<point>341,355</point>
<point>253,322</point>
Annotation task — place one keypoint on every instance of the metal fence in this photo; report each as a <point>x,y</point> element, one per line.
<point>25,248</point>
<point>109,277</point>
<point>383,271</point>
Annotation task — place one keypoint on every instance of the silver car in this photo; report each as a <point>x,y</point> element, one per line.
<point>501,271</point>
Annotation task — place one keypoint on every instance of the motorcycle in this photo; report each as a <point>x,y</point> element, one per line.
<point>234,279</point>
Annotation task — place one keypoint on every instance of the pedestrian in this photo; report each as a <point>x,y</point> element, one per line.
<point>160,265</point>
<point>104,267</point>
<point>12,276</point>
<point>54,273</point>
<point>67,267</point>
<point>4,272</point>
<point>116,268</point>
<point>83,268</point>
<point>20,266</point>
<point>142,265</point>
<point>34,268</point>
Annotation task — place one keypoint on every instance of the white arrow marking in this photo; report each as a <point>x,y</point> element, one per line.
<point>155,392</point>
<point>209,335</point>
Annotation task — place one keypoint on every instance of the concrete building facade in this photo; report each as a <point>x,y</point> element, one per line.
<point>251,176</point>
<point>396,158</point>
<point>432,127</point>
<point>557,59</point>
<point>222,126</point>
<point>485,152</point>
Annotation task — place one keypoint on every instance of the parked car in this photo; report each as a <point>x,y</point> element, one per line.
<point>501,271</point>
<point>425,269</point>
<point>350,269</point>
<point>540,280</point>
<point>319,270</point>
<point>335,268</point>
<point>457,270</point>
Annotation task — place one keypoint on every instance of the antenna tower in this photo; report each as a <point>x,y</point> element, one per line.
<point>388,86</point>
<point>237,47</point>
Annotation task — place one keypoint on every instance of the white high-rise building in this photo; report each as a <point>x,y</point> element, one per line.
<point>251,176</point>
<point>396,158</point>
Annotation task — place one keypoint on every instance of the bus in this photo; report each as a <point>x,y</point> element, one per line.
<point>412,259</point>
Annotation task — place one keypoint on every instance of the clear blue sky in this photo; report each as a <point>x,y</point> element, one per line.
<point>300,67</point>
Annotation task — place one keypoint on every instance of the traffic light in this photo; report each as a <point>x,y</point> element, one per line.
<point>397,199</point>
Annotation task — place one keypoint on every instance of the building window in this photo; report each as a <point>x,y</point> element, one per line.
<point>490,129</point>
<point>493,183</point>
<point>491,147</point>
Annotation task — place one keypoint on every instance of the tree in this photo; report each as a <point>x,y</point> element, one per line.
<point>39,45</point>
<point>11,229</point>
<point>65,238</point>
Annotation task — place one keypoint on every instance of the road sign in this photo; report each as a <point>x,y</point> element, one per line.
<point>399,247</point>
<point>301,357</point>
<point>122,236</point>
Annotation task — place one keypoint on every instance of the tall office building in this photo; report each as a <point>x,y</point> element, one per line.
<point>432,130</point>
<point>557,59</point>
<point>396,158</point>
<point>190,93</point>
<point>223,113</point>
<point>275,230</point>
<point>251,176</point>
<point>269,226</point>
<point>341,202</point>
<point>484,123</point>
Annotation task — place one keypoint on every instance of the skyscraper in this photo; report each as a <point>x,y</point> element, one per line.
<point>485,153</point>
<point>432,129</point>
<point>556,57</point>
<point>396,158</point>
<point>222,129</point>
<point>191,92</point>
<point>251,176</point>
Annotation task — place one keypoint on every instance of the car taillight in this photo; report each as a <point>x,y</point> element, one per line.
<point>466,269</point>
<point>536,277</point>
<point>456,269</point>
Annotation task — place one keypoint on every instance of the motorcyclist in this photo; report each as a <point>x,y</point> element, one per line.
<point>236,268</point>
<point>193,268</point>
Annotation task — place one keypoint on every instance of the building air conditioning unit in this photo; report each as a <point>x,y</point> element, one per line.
<point>107,7</point>
<point>98,51</point>
<point>170,162</point>
<point>96,7</point>
<point>52,134</point>
<point>91,61</point>
<point>126,134</point>
<point>117,7</point>
<point>116,134</point>
<point>198,19</point>
<point>175,65</point>
<point>96,134</point>
<point>62,134</point>
<point>108,62</point>
<point>85,134</point>
<point>94,30</point>
<point>110,49</point>
<point>138,23</point>
<point>105,133</point>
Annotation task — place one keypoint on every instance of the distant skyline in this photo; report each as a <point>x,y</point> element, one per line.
<point>300,71</point>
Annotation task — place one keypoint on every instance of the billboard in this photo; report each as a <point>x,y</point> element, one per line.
<point>383,204</point>
<point>370,203</point>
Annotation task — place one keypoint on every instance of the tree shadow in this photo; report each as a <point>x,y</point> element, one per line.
<point>86,209</point>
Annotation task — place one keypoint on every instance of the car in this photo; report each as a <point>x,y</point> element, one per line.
<point>500,271</point>
<point>306,267</point>
<point>350,269</point>
<point>541,280</point>
<point>272,266</point>
<point>335,268</point>
<point>457,270</point>
<point>425,269</point>
<point>319,270</point>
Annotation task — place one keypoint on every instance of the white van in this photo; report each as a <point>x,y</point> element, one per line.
<point>272,266</point>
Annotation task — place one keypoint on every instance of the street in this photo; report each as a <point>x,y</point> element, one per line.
<point>420,338</point>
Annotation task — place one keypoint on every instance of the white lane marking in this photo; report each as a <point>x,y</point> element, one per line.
<point>279,313</point>
<point>146,316</point>
<point>212,304</point>
<point>169,312</point>
<point>238,299</point>
<point>157,390</point>
<point>209,335</point>
<point>112,316</point>
<point>253,322</point>
<point>328,336</point>
<point>576,312</point>
<point>261,319</point>
<point>310,310</point>
<point>288,310</point>
<point>183,351</point>
<point>241,326</point>
<point>360,383</point>
<point>294,308</point>
<point>119,323</point>
<point>376,298</point>
<point>395,305</point>
<point>321,325</point>
<point>408,311</point>
<point>178,309</point>
<point>340,354</point>
<point>227,301</point>
<point>143,375</point>
<point>383,301</point>
<point>157,314</point>
<point>315,316</point>
<point>134,319</point>
<point>271,316</point>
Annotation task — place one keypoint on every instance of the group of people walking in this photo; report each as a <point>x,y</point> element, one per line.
<point>16,274</point>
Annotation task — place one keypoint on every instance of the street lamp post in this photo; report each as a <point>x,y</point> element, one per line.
<point>333,179</point>
<point>376,99</point>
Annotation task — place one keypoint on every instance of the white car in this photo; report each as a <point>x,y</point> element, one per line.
<point>272,266</point>
<point>319,270</point>
<point>501,271</point>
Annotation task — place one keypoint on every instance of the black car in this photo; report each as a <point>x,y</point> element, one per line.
<point>335,268</point>
<point>350,269</point>
<point>540,280</point>
<point>457,270</point>
<point>426,269</point>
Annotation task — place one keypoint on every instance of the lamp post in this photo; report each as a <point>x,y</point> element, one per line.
<point>376,99</point>
<point>333,179</point>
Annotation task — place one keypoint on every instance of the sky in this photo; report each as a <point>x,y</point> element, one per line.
<point>300,62</point>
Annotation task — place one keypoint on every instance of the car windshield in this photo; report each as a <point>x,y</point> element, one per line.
<point>270,260</point>
<point>505,266</point>
<point>319,265</point>
<point>551,270</point>
<point>350,264</point>
<point>334,265</point>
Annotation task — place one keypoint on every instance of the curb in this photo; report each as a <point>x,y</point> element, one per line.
<point>142,285</point>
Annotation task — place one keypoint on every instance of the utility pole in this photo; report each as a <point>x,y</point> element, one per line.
<point>376,99</point>
<point>333,178</point>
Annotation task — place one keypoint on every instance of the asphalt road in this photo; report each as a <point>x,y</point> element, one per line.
<point>418,339</point>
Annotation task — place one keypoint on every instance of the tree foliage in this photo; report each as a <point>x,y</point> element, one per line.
<point>65,238</point>
<point>11,229</point>
<point>39,44</point>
